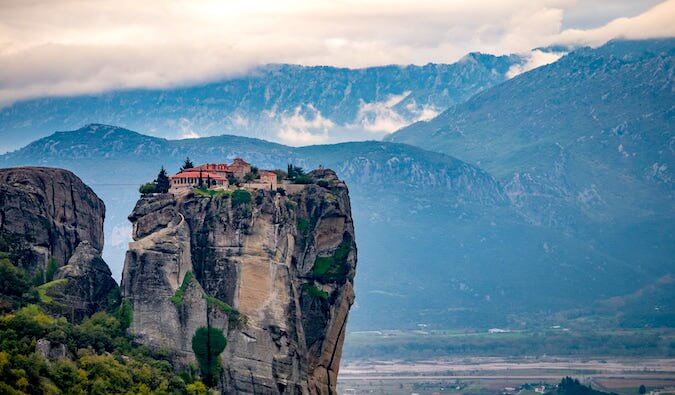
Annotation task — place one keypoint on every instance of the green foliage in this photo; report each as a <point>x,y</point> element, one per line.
<point>13,283</point>
<point>303,225</point>
<point>100,332</point>
<point>334,267</point>
<point>303,179</point>
<point>177,298</point>
<point>52,266</point>
<point>570,386</point>
<point>234,317</point>
<point>104,358</point>
<point>241,197</point>
<point>125,314</point>
<point>196,388</point>
<point>149,187</point>
<point>205,192</point>
<point>187,164</point>
<point>294,171</point>
<point>207,344</point>
<point>44,289</point>
<point>314,291</point>
<point>162,181</point>
<point>15,247</point>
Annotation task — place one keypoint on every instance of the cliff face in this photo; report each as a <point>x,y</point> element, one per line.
<point>272,273</point>
<point>53,208</point>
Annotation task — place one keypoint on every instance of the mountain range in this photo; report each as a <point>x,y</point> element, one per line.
<point>288,103</point>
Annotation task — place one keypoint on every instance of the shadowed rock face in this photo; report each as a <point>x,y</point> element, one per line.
<point>52,208</point>
<point>275,275</point>
<point>60,219</point>
<point>89,287</point>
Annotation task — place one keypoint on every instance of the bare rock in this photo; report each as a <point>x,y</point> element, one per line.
<point>53,209</point>
<point>51,351</point>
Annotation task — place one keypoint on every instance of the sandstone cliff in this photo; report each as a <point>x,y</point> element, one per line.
<point>270,272</point>
<point>60,221</point>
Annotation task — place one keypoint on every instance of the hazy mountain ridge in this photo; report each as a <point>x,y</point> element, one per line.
<point>355,102</point>
<point>577,134</point>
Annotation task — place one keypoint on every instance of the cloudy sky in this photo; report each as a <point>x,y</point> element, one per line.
<point>60,47</point>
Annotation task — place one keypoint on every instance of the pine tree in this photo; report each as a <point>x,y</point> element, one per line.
<point>187,164</point>
<point>162,181</point>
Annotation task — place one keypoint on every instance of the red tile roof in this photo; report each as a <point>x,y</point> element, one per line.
<point>195,174</point>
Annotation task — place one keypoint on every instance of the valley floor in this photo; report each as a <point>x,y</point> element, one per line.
<point>493,375</point>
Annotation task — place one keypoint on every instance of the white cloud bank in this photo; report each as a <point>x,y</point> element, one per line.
<point>535,58</point>
<point>305,126</point>
<point>61,47</point>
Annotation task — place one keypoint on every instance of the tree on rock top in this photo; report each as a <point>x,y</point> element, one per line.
<point>162,181</point>
<point>187,164</point>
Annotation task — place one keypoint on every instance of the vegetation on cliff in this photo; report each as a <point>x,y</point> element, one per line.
<point>41,352</point>
<point>333,267</point>
<point>208,343</point>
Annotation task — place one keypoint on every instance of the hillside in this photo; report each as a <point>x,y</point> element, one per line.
<point>588,136</point>
<point>354,104</point>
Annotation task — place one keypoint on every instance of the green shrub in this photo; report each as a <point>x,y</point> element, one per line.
<point>334,267</point>
<point>52,266</point>
<point>303,226</point>
<point>241,197</point>
<point>98,332</point>
<point>314,291</point>
<point>304,179</point>
<point>207,344</point>
<point>13,281</point>
<point>234,317</point>
<point>205,192</point>
<point>177,298</point>
<point>125,314</point>
<point>149,187</point>
<point>44,288</point>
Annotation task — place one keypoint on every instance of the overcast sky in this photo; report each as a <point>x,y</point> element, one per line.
<point>60,47</point>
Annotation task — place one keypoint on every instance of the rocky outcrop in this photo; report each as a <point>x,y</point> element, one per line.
<point>88,286</point>
<point>53,209</point>
<point>272,272</point>
<point>60,220</point>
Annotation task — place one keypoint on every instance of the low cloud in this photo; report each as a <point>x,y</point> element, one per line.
<point>304,127</point>
<point>654,23</point>
<point>65,47</point>
<point>381,117</point>
<point>391,114</point>
<point>534,59</point>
